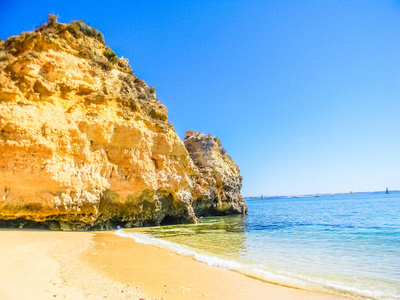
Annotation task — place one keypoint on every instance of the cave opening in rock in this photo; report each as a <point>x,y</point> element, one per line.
<point>111,224</point>
<point>170,220</point>
<point>22,223</point>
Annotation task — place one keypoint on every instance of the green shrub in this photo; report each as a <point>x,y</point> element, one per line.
<point>111,56</point>
<point>90,31</point>
<point>78,27</point>
<point>73,30</point>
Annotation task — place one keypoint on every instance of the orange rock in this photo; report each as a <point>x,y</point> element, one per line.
<point>85,144</point>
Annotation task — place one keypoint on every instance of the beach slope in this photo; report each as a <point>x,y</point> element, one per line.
<point>101,265</point>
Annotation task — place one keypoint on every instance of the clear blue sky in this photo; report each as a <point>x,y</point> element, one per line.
<point>304,95</point>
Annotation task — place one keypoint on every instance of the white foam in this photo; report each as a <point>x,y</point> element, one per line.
<point>181,249</point>
<point>287,278</point>
<point>218,262</point>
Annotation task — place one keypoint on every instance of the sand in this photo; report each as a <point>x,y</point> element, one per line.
<point>49,265</point>
<point>101,265</point>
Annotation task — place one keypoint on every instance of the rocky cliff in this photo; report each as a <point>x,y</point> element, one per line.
<point>84,143</point>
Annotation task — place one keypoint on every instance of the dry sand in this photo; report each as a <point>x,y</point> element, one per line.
<point>101,265</point>
<point>48,265</point>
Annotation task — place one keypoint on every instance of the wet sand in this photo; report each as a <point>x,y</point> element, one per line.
<point>101,265</point>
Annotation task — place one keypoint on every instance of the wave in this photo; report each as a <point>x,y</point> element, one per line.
<point>180,249</point>
<point>276,276</point>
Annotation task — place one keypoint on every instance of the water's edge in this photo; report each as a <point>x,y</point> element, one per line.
<point>346,245</point>
<point>246,270</point>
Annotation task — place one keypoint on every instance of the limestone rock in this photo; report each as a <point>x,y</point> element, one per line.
<point>218,184</point>
<point>84,143</point>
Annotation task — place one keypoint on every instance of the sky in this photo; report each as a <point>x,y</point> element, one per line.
<point>304,95</point>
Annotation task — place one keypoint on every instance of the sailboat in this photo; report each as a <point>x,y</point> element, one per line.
<point>387,191</point>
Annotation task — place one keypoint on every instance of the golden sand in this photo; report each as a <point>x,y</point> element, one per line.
<point>101,265</point>
<point>48,265</point>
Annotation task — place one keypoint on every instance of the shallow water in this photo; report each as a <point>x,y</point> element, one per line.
<point>345,245</point>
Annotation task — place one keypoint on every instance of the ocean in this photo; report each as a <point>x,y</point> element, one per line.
<point>343,244</point>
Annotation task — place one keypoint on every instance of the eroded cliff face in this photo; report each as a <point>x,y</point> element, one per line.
<point>219,178</point>
<point>85,144</point>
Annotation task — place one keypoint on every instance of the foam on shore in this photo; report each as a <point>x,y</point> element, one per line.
<point>278,277</point>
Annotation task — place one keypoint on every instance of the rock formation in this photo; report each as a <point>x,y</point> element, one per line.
<point>219,177</point>
<point>84,143</point>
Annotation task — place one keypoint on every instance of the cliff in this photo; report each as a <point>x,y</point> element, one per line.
<point>84,143</point>
<point>218,179</point>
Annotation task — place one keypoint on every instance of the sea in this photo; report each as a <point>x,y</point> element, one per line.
<point>342,244</point>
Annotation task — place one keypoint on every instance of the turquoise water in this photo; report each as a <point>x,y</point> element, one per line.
<point>346,245</point>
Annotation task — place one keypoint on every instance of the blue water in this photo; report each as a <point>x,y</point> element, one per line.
<point>345,245</point>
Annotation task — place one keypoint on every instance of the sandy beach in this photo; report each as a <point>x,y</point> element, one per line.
<point>101,265</point>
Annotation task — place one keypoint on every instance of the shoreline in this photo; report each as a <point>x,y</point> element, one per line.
<point>163,274</point>
<point>101,265</point>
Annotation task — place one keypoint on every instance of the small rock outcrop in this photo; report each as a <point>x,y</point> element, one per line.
<point>84,143</point>
<point>218,180</point>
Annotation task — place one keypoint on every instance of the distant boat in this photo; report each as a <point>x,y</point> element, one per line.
<point>317,195</point>
<point>387,191</point>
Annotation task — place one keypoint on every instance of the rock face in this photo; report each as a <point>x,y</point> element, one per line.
<point>85,144</point>
<point>219,178</point>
